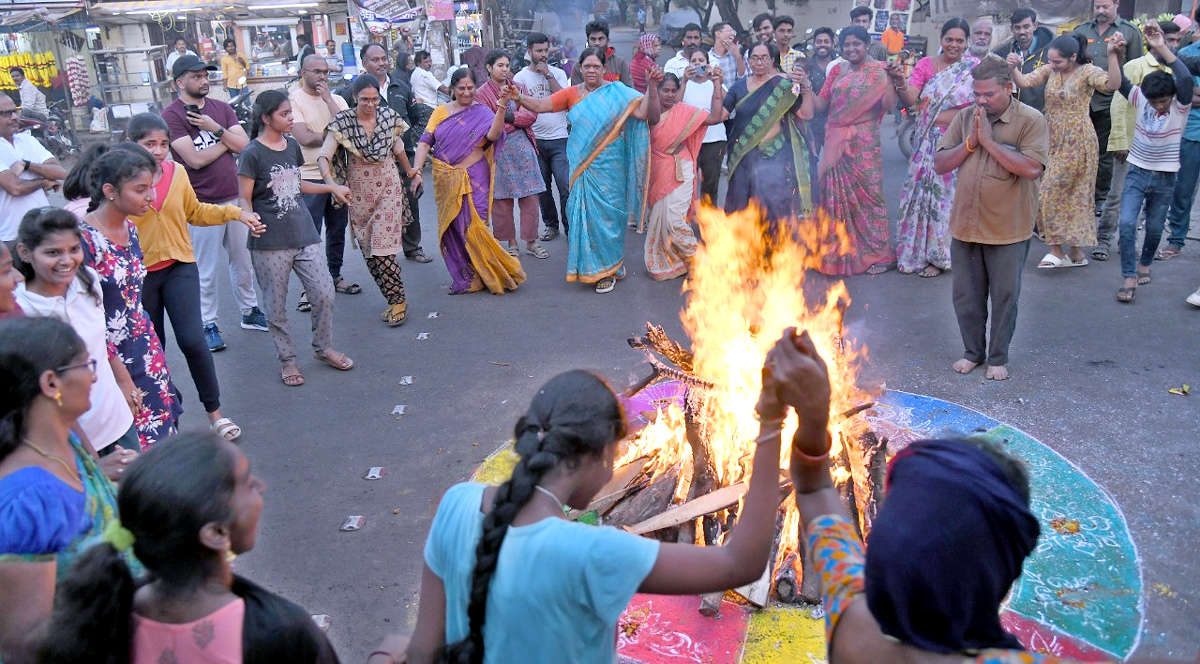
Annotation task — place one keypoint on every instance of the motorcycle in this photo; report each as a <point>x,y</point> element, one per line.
<point>242,106</point>
<point>54,133</point>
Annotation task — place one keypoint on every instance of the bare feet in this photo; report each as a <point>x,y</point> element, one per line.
<point>997,373</point>
<point>964,366</point>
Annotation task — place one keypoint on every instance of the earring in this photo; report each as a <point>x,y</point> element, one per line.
<point>230,556</point>
<point>58,398</point>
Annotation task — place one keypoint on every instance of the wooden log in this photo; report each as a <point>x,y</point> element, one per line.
<point>622,483</point>
<point>704,470</point>
<point>758,591</point>
<point>720,499</point>
<point>845,486</point>
<point>787,582</point>
<point>873,473</point>
<point>650,501</point>
<point>656,339</point>
<point>810,583</point>
<point>710,604</point>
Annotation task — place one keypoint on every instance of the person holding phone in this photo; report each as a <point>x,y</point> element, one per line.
<point>698,87</point>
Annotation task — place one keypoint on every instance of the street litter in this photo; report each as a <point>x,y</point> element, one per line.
<point>374,473</point>
<point>322,621</point>
<point>422,336</point>
<point>406,380</point>
<point>399,410</point>
<point>1181,391</point>
<point>433,314</point>
<point>353,523</point>
<point>501,364</point>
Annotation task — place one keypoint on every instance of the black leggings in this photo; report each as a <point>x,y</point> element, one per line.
<point>175,290</point>
<point>386,272</point>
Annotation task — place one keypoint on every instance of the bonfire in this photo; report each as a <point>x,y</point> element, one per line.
<point>683,476</point>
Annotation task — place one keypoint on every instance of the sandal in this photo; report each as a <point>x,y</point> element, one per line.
<point>1125,294</point>
<point>341,364</point>
<point>292,379</point>
<point>1100,253</point>
<point>1050,261</point>
<point>342,286</point>
<point>879,268</point>
<point>395,315</point>
<point>929,272</point>
<point>226,429</point>
<point>537,252</point>
<point>606,285</point>
<point>1143,278</point>
<point>1168,253</point>
<point>303,304</point>
<point>513,251</point>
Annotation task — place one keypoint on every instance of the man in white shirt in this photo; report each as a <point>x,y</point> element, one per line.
<point>181,50</point>
<point>29,169</point>
<point>550,130</point>
<point>33,102</point>
<point>727,52</point>
<point>698,92</point>
<point>424,84</point>
<point>691,37</point>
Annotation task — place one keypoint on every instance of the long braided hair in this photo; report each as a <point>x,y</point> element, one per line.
<point>574,415</point>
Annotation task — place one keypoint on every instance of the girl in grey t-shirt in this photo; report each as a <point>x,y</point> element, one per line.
<point>269,182</point>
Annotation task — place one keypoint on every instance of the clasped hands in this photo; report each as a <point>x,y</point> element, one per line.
<point>794,374</point>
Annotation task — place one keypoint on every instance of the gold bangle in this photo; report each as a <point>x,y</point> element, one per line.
<point>326,174</point>
<point>969,150</point>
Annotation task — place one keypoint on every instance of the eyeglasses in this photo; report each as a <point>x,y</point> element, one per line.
<point>90,364</point>
<point>374,101</point>
<point>761,58</point>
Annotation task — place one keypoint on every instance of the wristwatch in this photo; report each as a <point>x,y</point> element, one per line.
<point>27,163</point>
<point>219,133</point>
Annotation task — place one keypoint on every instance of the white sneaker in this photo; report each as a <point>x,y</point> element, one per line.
<point>1194,298</point>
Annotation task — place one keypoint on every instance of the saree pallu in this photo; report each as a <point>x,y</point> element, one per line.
<point>851,173</point>
<point>674,145</point>
<point>923,231</point>
<point>464,198</point>
<point>608,151</point>
<point>772,172</point>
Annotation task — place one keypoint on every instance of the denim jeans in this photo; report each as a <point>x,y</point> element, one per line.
<point>1154,188</point>
<point>1180,216</point>
<point>552,157</point>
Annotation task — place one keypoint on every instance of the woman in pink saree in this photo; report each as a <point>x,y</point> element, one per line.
<point>462,136</point>
<point>674,148</point>
<point>856,94</point>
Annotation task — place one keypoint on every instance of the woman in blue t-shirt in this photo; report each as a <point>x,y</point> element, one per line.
<point>269,181</point>
<point>509,579</point>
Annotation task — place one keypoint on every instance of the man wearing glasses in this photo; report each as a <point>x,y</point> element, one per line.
<point>313,107</point>
<point>28,171</point>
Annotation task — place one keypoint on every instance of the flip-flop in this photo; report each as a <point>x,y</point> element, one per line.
<point>1126,294</point>
<point>926,274</point>
<point>514,252</point>
<point>606,285</point>
<point>538,252</point>
<point>293,379</point>
<point>304,304</point>
<point>1167,254</point>
<point>1100,253</point>
<point>1143,278</point>
<point>1050,262</point>
<point>1070,263</point>
<point>227,429</point>
<point>345,364</point>
<point>348,288</point>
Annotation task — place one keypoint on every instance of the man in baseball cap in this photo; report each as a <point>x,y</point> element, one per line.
<point>205,136</point>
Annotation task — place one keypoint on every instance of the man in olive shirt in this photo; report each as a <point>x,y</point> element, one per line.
<point>999,147</point>
<point>1096,32</point>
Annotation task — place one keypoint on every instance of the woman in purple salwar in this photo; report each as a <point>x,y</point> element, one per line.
<point>462,136</point>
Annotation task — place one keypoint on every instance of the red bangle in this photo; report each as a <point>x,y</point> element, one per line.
<point>810,460</point>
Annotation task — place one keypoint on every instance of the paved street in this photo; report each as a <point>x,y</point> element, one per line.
<point>1090,379</point>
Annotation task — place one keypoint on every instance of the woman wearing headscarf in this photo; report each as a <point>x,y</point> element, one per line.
<point>643,60</point>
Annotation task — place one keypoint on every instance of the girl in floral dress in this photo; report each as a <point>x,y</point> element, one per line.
<point>122,186</point>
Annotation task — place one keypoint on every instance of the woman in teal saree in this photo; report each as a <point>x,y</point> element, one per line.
<point>608,151</point>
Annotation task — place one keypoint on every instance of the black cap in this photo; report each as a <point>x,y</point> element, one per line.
<point>187,63</point>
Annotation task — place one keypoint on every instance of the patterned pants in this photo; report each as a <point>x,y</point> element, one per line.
<point>386,272</point>
<point>273,267</point>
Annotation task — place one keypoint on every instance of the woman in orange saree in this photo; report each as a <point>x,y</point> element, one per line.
<point>674,147</point>
<point>855,236</point>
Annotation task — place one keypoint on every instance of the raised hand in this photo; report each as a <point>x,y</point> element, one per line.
<point>715,73</point>
<point>800,377</point>
<point>1014,60</point>
<point>895,71</point>
<point>1116,44</point>
<point>655,74</point>
<point>1154,35</point>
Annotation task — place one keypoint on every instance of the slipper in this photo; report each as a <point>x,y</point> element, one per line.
<point>1143,278</point>
<point>537,252</point>
<point>606,285</point>
<point>1050,261</point>
<point>929,272</point>
<point>396,314</point>
<point>1126,294</point>
<point>292,379</point>
<point>514,252</point>
<point>1167,254</point>
<point>880,268</point>
<point>348,288</point>
<point>304,304</point>
<point>1070,263</point>
<point>226,429</point>
<point>345,364</point>
<point>1100,253</point>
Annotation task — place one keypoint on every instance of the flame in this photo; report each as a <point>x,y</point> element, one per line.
<point>746,285</point>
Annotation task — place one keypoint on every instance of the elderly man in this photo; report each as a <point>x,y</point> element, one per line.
<point>33,102</point>
<point>999,147</point>
<point>981,38</point>
<point>691,37</point>
<point>29,169</point>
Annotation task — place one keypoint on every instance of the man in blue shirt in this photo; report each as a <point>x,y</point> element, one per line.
<point>1179,217</point>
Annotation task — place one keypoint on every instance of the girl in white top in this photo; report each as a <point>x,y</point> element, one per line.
<point>57,284</point>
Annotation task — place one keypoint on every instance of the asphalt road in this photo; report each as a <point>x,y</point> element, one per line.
<point>1090,379</point>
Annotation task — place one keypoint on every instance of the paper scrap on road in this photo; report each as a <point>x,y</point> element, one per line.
<point>374,473</point>
<point>501,364</point>
<point>433,314</point>
<point>399,410</point>
<point>1181,391</point>
<point>353,523</point>
<point>406,380</point>
<point>322,621</point>
<point>422,336</point>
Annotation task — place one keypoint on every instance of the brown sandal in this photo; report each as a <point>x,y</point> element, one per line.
<point>342,364</point>
<point>292,379</point>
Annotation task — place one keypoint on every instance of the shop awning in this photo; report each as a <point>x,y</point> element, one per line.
<point>164,6</point>
<point>30,20</point>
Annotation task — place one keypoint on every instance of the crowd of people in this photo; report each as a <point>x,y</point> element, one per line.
<point>89,400</point>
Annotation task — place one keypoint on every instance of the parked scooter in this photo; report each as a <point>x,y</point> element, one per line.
<point>54,133</point>
<point>242,106</point>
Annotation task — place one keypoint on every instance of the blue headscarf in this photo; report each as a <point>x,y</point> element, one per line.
<point>946,547</point>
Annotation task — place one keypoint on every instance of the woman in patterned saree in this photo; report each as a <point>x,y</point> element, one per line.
<point>857,96</point>
<point>608,151</point>
<point>363,144</point>
<point>768,149</point>
<point>939,86</point>
<point>675,148</point>
<point>462,137</point>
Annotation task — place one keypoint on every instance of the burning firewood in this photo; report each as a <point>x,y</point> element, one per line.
<point>656,339</point>
<point>650,501</point>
